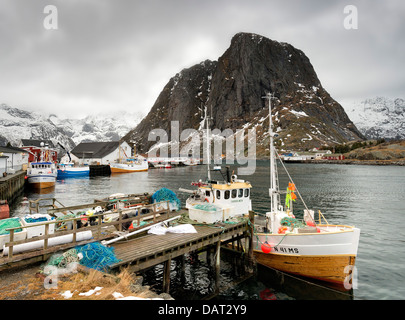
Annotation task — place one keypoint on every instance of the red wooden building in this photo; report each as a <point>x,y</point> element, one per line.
<point>34,150</point>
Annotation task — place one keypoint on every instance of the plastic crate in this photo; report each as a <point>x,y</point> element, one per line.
<point>36,229</point>
<point>20,235</point>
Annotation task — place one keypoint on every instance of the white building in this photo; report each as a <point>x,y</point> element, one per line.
<point>12,160</point>
<point>98,153</point>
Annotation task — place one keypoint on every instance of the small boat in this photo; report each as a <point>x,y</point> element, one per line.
<point>218,200</point>
<point>67,170</point>
<point>191,162</point>
<point>322,251</point>
<point>135,164</point>
<point>130,165</point>
<point>42,174</point>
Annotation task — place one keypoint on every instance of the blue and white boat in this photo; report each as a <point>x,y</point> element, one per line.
<point>67,170</point>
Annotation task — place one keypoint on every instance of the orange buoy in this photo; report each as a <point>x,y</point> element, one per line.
<point>266,248</point>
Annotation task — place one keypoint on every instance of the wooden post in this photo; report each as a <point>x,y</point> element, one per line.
<point>119,219</point>
<point>166,275</point>
<point>10,250</point>
<point>208,255</point>
<point>99,222</point>
<point>46,233</point>
<point>74,230</point>
<point>217,265</point>
<point>251,227</point>
<point>183,268</point>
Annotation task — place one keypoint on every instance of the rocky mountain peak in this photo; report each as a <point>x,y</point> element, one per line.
<point>232,88</point>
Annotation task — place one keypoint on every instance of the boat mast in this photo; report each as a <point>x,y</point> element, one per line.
<point>208,145</point>
<point>273,191</point>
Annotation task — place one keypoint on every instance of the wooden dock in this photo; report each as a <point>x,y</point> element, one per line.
<point>138,250</point>
<point>149,250</point>
<point>12,185</point>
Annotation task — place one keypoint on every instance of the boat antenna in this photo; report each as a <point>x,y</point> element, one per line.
<point>208,144</point>
<point>273,191</point>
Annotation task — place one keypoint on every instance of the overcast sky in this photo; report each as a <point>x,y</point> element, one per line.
<point>118,54</point>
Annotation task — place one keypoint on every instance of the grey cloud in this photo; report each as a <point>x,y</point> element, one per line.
<point>116,54</point>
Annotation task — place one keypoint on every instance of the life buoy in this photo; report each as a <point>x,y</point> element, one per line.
<point>206,200</point>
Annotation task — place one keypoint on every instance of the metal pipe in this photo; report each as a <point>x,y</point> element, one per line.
<point>137,231</point>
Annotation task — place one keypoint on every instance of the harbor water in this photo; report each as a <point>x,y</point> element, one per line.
<point>370,197</point>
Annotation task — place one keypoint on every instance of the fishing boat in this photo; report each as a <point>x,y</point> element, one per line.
<point>135,164</point>
<point>307,248</point>
<point>218,200</point>
<point>130,165</point>
<point>42,174</point>
<point>68,170</point>
<point>191,162</point>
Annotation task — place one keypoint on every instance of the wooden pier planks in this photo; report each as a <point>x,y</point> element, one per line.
<point>149,250</point>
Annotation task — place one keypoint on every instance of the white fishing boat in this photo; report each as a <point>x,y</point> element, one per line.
<point>42,174</point>
<point>135,164</point>
<point>218,200</point>
<point>303,247</point>
<point>191,162</point>
<point>130,165</point>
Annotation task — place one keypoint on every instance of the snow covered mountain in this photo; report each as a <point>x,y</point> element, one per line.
<point>17,124</point>
<point>378,117</point>
<point>100,127</point>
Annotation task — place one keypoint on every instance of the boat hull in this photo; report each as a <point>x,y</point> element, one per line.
<point>327,256</point>
<point>127,168</point>
<point>41,182</point>
<point>329,268</point>
<point>73,172</point>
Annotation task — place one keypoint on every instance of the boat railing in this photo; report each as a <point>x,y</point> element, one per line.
<point>157,212</point>
<point>320,217</point>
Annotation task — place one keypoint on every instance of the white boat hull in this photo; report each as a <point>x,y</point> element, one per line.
<point>132,167</point>
<point>41,175</point>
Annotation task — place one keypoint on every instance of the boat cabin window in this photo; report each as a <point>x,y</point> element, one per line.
<point>234,192</point>
<point>227,194</point>
<point>207,193</point>
<point>218,194</point>
<point>240,193</point>
<point>246,193</point>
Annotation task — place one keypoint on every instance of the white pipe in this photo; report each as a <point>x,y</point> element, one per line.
<point>186,190</point>
<point>137,231</point>
<point>80,236</point>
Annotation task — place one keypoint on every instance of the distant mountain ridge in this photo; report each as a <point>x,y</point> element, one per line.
<point>17,124</point>
<point>378,117</point>
<point>233,87</point>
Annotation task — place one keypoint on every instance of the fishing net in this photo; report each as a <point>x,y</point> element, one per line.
<point>164,194</point>
<point>34,219</point>
<point>9,223</point>
<point>62,260</point>
<point>292,222</point>
<point>92,255</point>
<point>96,256</point>
<point>206,207</point>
